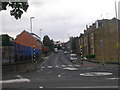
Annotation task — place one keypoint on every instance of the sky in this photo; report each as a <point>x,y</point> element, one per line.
<point>59,19</point>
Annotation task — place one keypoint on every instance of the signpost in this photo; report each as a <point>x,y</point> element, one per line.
<point>81,54</point>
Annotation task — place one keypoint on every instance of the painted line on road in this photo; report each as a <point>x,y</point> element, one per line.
<point>112,78</point>
<point>70,65</point>
<point>57,66</point>
<point>42,67</point>
<point>77,65</point>
<point>46,57</point>
<point>15,81</point>
<point>40,86</point>
<point>50,67</point>
<point>39,70</point>
<point>91,87</point>
<point>60,75</point>
<point>19,76</point>
<point>63,65</point>
<point>95,74</point>
<point>69,68</point>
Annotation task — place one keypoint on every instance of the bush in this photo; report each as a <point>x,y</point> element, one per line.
<point>90,56</point>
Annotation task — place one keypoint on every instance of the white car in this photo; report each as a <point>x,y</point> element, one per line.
<point>73,57</point>
<point>65,52</point>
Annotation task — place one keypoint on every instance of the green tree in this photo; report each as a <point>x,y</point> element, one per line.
<point>47,42</point>
<point>6,40</point>
<point>74,44</point>
<point>17,7</point>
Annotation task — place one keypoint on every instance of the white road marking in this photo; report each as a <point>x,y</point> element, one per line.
<point>19,76</point>
<point>70,65</point>
<point>77,65</point>
<point>96,74</point>
<point>15,81</point>
<point>40,86</point>
<point>56,66</point>
<point>112,78</point>
<point>42,67</point>
<point>60,75</point>
<point>39,70</point>
<point>49,66</point>
<point>92,87</point>
<point>72,69</point>
<point>63,65</point>
<point>100,87</point>
<point>46,57</point>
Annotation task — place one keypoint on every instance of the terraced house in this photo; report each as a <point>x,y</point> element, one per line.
<point>101,41</point>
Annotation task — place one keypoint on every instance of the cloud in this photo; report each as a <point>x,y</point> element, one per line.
<point>57,18</point>
<point>119,10</point>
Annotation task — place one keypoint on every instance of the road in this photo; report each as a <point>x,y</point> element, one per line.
<point>58,72</point>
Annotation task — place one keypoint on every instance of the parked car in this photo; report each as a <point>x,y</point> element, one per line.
<point>65,52</point>
<point>56,50</point>
<point>73,57</point>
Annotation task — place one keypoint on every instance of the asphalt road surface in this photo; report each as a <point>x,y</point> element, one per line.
<point>58,72</point>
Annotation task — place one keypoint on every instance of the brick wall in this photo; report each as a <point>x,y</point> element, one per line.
<point>27,40</point>
<point>106,33</point>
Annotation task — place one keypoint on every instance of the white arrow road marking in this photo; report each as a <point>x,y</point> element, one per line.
<point>95,74</point>
<point>15,81</point>
<point>60,75</point>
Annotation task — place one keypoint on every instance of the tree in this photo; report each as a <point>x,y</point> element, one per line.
<point>74,44</point>
<point>47,42</point>
<point>17,7</point>
<point>6,40</point>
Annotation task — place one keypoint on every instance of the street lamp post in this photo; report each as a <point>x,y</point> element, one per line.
<point>40,34</point>
<point>31,38</point>
<point>31,23</point>
<point>117,31</point>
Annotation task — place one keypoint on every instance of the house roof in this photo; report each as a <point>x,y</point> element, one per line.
<point>31,34</point>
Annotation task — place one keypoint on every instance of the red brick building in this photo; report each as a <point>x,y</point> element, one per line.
<point>29,39</point>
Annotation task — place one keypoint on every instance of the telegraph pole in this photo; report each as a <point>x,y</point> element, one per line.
<point>31,37</point>
<point>117,31</point>
<point>40,34</point>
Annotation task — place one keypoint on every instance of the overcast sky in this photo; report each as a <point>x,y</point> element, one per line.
<point>58,18</point>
